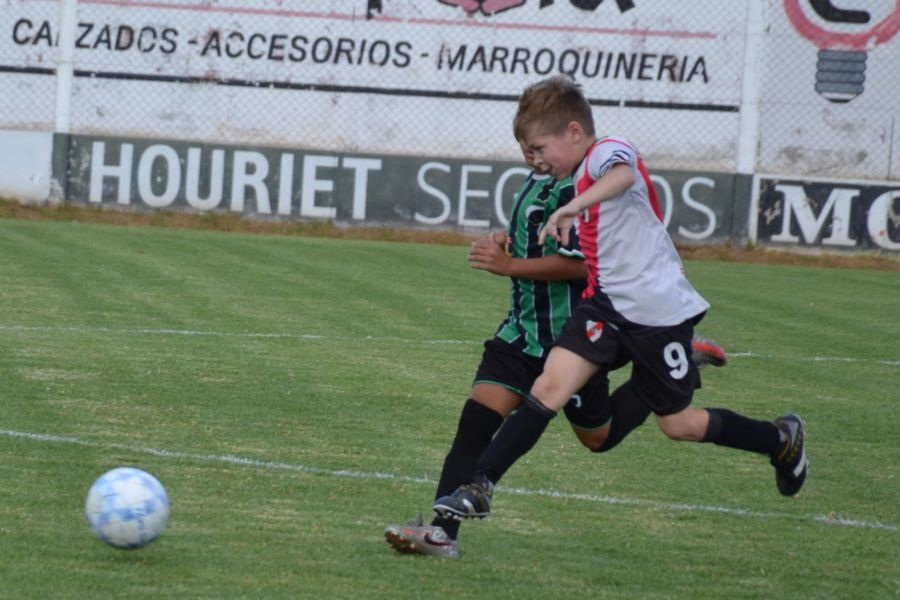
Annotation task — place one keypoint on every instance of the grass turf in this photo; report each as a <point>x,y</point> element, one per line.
<point>295,395</point>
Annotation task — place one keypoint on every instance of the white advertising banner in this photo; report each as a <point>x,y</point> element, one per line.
<point>654,51</point>
<point>397,76</point>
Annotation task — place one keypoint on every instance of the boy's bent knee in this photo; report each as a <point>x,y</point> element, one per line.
<point>592,445</point>
<point>593,440</point>
<point>551,392</point>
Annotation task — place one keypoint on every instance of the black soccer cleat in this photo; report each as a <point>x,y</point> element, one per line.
<point>791,464</point>
<point>469,501</point>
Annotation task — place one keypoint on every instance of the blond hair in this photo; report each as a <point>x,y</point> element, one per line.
<point>550,105</point>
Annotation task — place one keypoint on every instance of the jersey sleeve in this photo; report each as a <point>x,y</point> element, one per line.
<point>607,154</point>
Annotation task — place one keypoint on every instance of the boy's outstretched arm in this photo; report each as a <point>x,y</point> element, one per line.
<point>487,254</point>
<point>616,181</point>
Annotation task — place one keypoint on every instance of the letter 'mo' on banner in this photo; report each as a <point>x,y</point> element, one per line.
<point>828,214</point>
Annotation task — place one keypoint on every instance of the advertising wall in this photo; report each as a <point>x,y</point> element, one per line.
<point>401,110</point>
<point>829,89</point>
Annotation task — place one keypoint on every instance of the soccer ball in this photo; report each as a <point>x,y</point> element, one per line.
<point>127,508</point>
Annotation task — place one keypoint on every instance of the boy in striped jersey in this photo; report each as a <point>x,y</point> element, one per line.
<point>547,282</point>
<point>638,306</point>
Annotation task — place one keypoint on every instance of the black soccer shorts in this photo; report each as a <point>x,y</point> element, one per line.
<point>663,374</point>
<point>505,365</point>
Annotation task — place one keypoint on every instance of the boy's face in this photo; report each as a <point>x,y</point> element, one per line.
<point>558,154</point>
<point>531,159</point>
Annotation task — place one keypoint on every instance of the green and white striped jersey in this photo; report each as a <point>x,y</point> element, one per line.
<point>538,309</point>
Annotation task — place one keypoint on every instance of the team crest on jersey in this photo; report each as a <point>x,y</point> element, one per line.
<point>594,330</point>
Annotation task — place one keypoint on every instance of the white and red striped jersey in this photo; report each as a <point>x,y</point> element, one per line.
<point>632,263</point>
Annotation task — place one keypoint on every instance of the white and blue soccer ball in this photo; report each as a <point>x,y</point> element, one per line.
<point>127,508</point>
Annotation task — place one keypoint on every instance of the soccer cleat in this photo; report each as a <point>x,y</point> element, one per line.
<point>418,538</point>
<point>469,501</point>
<point>791,464</point>
<point>707,352</point>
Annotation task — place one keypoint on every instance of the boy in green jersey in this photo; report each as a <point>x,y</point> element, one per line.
<point>547,282</point>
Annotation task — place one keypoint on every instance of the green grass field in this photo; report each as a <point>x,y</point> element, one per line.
<point>296,395</point>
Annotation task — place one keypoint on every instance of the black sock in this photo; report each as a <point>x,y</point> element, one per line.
<point>477,426</point>
<point>727,428</point>
<point>517,436</point>
<point>628,412</point>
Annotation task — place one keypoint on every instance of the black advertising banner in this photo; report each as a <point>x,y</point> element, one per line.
<point>837,215</point>
<point>348,189</point>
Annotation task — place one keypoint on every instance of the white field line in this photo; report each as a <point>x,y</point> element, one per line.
<point>234,334</point>
<point>844,359</point>
<point>310,336</point>
<point>374,475</point>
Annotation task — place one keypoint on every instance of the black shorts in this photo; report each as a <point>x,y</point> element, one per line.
<point>663,374</point>
<point>505,365</point>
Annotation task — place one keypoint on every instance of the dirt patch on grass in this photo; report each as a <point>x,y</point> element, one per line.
<point>793,257</point>
<point>226,222</point>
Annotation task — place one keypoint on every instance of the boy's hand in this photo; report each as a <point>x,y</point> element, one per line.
<point>489,254</point>
<point>559,224</point>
